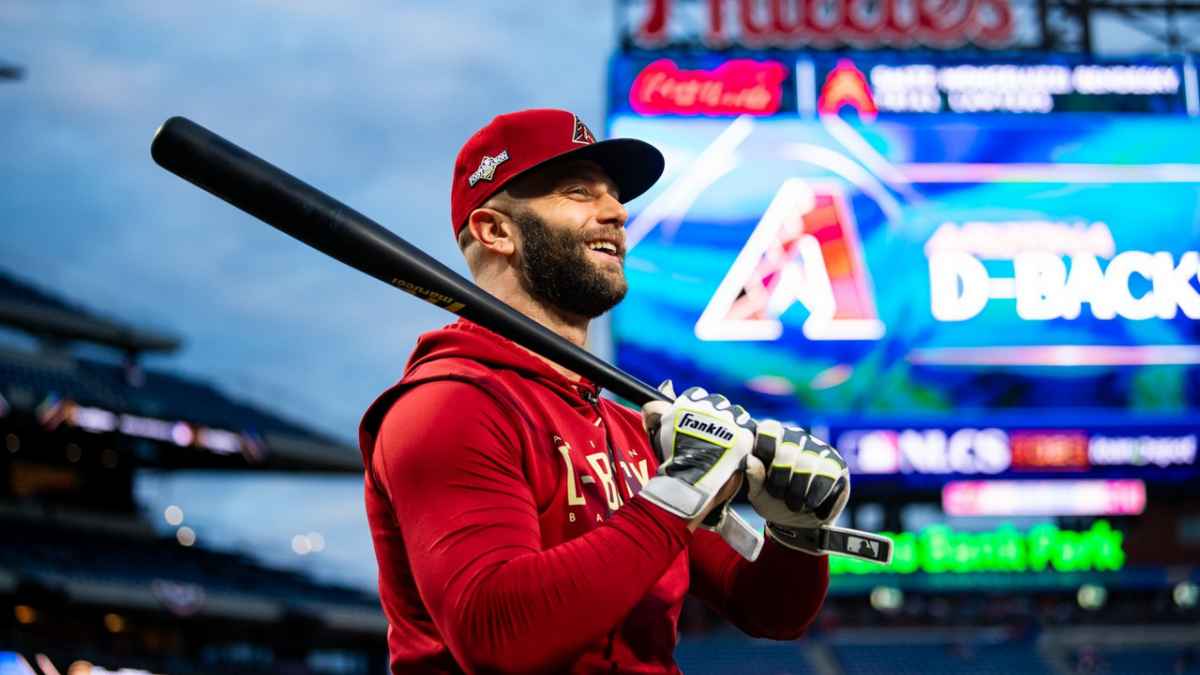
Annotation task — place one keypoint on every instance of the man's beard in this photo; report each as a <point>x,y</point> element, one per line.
<point>556,271</point>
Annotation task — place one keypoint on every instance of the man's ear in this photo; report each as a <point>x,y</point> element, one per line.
<point>493,230</point>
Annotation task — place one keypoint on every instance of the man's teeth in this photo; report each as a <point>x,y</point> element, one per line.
<point>603,246</point>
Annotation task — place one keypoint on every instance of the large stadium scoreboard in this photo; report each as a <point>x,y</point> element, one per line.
<point>956,267</point>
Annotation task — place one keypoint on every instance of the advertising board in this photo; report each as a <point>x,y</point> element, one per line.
<point>953,267</point>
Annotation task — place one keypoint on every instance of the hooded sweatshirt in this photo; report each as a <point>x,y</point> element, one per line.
<point>502,500</point>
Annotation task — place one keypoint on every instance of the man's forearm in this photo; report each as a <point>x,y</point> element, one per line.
<point>538,610</point>
<point>777,596</point>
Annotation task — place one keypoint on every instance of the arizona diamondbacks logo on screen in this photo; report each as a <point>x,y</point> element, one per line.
<point>804,250</point>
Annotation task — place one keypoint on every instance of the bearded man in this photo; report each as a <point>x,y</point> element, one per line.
<point>520,521</point>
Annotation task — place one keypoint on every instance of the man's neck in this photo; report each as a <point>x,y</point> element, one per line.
<point>571,327</point>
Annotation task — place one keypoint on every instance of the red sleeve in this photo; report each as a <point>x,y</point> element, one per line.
<point>448,459</point>
<point>776,596</point>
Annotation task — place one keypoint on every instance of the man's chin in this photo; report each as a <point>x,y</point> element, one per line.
<point>615,284</point>
<point>611,292</point>
<point>615,293</point>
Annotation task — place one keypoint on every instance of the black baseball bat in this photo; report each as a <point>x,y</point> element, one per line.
<point>290,205</point>
<point>294,207</point>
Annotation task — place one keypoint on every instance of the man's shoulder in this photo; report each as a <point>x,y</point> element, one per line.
<point>448,367</point>
<point>458,384</point>
<point>443,391</point>
<point>454,406</point>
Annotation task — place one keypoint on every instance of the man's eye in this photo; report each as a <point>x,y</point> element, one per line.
<point>579,190</point>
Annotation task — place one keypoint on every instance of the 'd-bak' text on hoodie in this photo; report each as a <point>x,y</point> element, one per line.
<point>502,499</point>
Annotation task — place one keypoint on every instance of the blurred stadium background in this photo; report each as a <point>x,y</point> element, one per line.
<point>960,241</point>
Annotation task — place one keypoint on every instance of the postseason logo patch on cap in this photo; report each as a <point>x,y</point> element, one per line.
<point>487,168</point>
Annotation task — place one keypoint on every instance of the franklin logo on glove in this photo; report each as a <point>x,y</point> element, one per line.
<point>712,428</point>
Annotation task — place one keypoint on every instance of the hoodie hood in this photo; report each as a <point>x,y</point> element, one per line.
<point>464,339</point>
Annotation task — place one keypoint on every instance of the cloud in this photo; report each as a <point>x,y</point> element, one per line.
<point>370,105</point>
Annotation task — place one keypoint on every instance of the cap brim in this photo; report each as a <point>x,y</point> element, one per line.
<point>632,164</point>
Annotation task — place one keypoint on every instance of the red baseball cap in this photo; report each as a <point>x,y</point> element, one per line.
<point>514,143</point>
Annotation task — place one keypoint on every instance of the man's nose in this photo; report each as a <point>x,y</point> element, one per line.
<point>612,211</point>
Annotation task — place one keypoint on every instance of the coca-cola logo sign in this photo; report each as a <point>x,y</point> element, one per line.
<point>829,23</point>
<point>740,86</point>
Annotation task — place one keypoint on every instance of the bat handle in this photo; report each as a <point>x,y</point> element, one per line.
<point>842,541</point>
<point>850,543</point>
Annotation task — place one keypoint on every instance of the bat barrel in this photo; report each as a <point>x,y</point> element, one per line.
<point>296,208</point>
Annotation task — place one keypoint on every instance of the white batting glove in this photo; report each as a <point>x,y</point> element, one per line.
<point>797,483</point>
<point>704,441</point>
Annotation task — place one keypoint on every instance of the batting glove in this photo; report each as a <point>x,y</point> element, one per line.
<point>704,441</point>
<point>796,482</point>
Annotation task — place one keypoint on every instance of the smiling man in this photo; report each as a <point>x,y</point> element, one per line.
<point>520,521</point>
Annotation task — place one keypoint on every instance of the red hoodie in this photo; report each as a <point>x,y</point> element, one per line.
<point>502,499</point>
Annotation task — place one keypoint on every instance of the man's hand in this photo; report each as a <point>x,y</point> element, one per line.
<point>705,442</point>
<point>796,482</point>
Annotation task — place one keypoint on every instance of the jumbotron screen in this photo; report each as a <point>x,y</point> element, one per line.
<point>886,247</point>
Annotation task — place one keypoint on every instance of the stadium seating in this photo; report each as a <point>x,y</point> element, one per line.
<point>727,652</point>
<point>49,552</point>
<point>931,659</point>
<point>159,394</point>
<point>1137,660</point>
<point>713,655</point>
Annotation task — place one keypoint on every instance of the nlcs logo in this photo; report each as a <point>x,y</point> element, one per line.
<point>805,250</point>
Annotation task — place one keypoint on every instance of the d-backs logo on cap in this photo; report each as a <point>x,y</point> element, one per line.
<point>582,134</point>
<point>487,168</point>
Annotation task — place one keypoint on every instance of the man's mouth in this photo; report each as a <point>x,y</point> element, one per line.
<point>605,247</point>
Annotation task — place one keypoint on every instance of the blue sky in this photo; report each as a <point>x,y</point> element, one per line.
<point>371,105</point>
